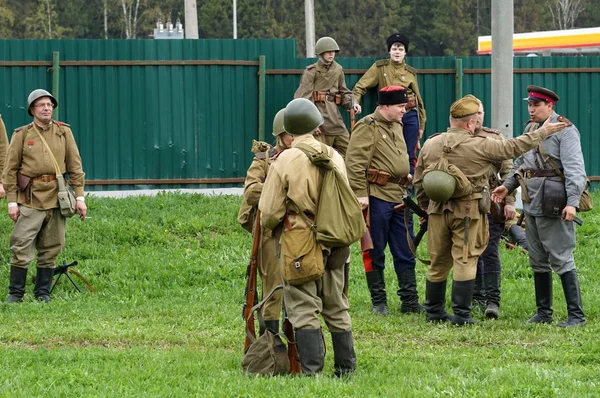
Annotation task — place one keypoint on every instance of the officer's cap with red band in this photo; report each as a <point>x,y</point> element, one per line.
<point>537,93</point>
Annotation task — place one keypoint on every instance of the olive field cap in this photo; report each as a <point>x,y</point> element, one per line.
<point>438,185</point>
<point>392,95</point>
<point>465,106</point>
<point>278,123</point>
<point>36,95</point>
<point>397,38</point>
<point>301,117</point>
<point>537,93</point>
<point>325,44</point>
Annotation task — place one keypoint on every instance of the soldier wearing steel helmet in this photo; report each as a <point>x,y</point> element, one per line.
<point>458,226</point>
<point>293,185</point>
<point>324,83</point>
<point>267,262</point>
<point>30,181</point>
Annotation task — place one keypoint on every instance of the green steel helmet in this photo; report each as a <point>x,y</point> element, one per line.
<point>278,123</point>
<point>325,44</point>
<point>301,117</point>
<point>36,95</point>
<point>438,185</point>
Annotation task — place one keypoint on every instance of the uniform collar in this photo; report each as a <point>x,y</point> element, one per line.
<point>458,130</point>
<point>303,139</point>
<point>36,125</point>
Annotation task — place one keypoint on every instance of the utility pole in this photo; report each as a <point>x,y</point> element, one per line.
<point>234,19</point>
<point>502,66</point>
<point>309,16</point>
<point>191,19</point>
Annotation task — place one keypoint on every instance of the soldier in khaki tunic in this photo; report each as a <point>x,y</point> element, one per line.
<point>396,72</point>
<point>293,185</point>
<point>30,181</point>
<point>324,84</point>
<point>458,233</point>
<point>3,150</point>
<point>487,281</point>
<point>268,264</point>
<point>377,151</point>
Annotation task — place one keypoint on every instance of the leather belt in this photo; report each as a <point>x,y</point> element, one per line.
<point>398,180</point>
<point>44,178</point>
<point>541,173</point>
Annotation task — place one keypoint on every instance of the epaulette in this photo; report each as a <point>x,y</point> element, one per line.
<point>22,127</point>
<point>434,135</point>
<point>382,62</point>
<point>311,66</point>
<point>490,130</point>
<point>564,119</point>
<point>60,124</point>
<point>410,69</point>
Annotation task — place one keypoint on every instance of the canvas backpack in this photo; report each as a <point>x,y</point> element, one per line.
<point>339,220</point>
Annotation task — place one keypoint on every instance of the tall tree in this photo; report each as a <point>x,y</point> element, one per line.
<point>453,27</point>
<point>7,19</point>
<point>565,12</point>
<point>42,23</point>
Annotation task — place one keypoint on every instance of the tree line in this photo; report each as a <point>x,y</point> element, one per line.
<point>435,27</point>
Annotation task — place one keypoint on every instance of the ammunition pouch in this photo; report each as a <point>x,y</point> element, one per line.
<point>485,203</point>
<point>23,182</point>
<point>382,178</point>
<point>322,96</point>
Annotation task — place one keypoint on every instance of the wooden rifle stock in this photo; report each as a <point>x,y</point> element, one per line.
<point>292,349</point>
<point>366,243</point>
<point>251,298</point>
<point>352,118</point>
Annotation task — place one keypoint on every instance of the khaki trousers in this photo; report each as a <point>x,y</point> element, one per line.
<point>445,242</point>
<point>323,296</point>
<point>41,230</point>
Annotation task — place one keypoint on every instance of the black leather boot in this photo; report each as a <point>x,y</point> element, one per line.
<point>42,284</point>
<point>543,297</point>
<point>462,295</point>
<point>570,285</point>
<point>492,294</point>
<point>16,287</point>
<point>273,326</point>
<point>311,350</point>
<point>407,283</point>
<point>344,357</point>
<point>435,302</point>
<point>479,292</point>
<point>376,283</point>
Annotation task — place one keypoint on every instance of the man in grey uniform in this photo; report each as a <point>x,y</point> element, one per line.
<point>550,229</point>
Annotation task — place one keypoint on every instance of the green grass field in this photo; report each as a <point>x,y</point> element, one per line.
<point>166,321</point>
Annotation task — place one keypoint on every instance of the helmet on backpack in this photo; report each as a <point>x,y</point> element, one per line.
<point>438,185</point>
<point>36,95</point>
<point>278,128</point>
<point>301,117</point>
<point>325,44</point>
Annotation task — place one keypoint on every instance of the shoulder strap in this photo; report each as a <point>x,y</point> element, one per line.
<point>58,173</point>
<point>256,309</point>
<point>549,160</point>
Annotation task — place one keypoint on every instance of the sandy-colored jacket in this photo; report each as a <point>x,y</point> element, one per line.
<point>294,180</point>
<point>3,144</point>
<point>28,155</point>
<point>473,155</point>
<point>386,72</point>
<point>329,79</point>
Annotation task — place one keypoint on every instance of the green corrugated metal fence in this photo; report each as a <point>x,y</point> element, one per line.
<point>183,113</point>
